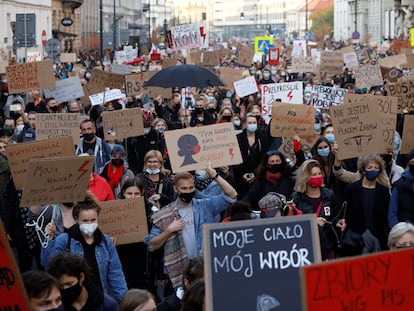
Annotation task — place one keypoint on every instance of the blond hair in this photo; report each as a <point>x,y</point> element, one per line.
<point>304,173</point>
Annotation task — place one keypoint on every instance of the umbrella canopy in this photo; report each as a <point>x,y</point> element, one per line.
<point>184,76</point>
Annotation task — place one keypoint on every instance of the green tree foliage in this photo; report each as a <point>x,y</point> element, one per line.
<point>322,23</point>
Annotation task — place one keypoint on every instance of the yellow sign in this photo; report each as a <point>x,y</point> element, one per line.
<point>412,36</point>
<point>261,44</point>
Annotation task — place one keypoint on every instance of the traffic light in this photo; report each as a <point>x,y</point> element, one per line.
<point>242,16</point>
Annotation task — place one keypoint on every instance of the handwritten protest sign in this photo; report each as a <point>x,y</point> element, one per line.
<point>55,125</point>
<point>66,90</point>
<point>324,97</point>
<point>124,220</point>
<point>245,55</point>
<point>299,49</point>
<point>12,291</point>
<point>290,119</point>
<point>245,87</point>
<point>186,36</point>
<point>286,148</point>
<point>332,62</point>
<point>30,76</point>
<point>20,154</point>
<point>369,283</point>
<point>289,92</point>
<point>391,74</point>
<point>119,124</point>
<point>56,180</point>
<point>244,258</point>
<point>351,60</point>
<point>126,55</point>
<point>358,130</point>
<point>68,57</point>
<point>110,95</point>
<point>407,143</point>
<point>405,93</point>
<point>101,79</point>
<point>230,75</point>
<point>134,85</point>
<point>122,69</point>
<point>192,148</point>
<point>393,61</point>
<point>387,108</point>
<point>303,64</point>
<point>368,76</point>
<point>78,70</point>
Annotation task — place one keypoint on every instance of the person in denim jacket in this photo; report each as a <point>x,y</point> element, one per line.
<point>86,240</point>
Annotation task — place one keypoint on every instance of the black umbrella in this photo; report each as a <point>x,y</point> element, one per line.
<point>184,76</point>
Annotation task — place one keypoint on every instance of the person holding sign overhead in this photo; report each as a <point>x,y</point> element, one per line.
<point>178,226</point>
<point>311,196</point>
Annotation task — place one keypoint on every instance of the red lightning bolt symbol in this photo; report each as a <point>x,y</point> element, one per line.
<point>290,95</point>
<point>202,33</point>
<point>231,153</point>
<point>82,169</point>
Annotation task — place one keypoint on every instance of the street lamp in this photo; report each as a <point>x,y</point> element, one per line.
<point>306,17</point>
<point>101,28</point>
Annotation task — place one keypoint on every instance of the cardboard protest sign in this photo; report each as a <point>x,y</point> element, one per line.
<point>119,124</point>
<point>186,36</point>
<point>55,125</point>
<point>303,64</point>
<point>56,180</point>
<point>405,93</point>
<point>266,250</point>
<point>134,85</point>
<point>246,86</point>
<point>409,56</point>
<point>122,69</point>
<point>124,220</point>
<point>407,143</point>
<point>351,60</point>
<point>78,70</point>
<point>286,148</point>
<point>289,92</point>
<point>12,291</point>
<point>30,76</point>
<point>101,79</point>
<point>393,61</point>
<point>370,283</point>
<point>126,55</point>
<point>387,108</point>
<point>391,74</point>
<point>299,49</point>
<point>107,96</point>
<point>20,154</point>
<point>245,55</point>
<point>368,76</point>
<point>3,66</point>
<point>290,119</point>
<point>68,57</point>
<point>66,90</point>
<point>193,148</point>
<point>332,62</point>
<point>358,130</point>
<point>230,75</point>
<point>324,97</point>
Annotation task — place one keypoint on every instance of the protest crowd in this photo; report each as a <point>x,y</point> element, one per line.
<point>352,169</point>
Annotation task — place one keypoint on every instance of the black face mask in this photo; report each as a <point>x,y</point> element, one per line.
<point>68,204</point>
<point>274,168</point>
<point>70,294</point>
<point>9,131</point>
<point>117,162</point>
<point>177,106</point>
<point>54,108</point>
<point>88,136</point>
<point>211,110</point>
<point>411,168</point>
<point>227,118</point>
<point>199,110</point>
<point>186,197</point>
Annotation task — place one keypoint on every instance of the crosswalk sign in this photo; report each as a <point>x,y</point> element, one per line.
<point>262,44</point>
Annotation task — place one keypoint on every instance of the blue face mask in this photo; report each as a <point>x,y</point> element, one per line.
<point>251,128</point>
<point>330,137</point>
<point>317,127</point>
<point>324,152</point>
<point>371,174</point>
<point>152,172</point>
<point>229,94</point>
<point>200,175</point>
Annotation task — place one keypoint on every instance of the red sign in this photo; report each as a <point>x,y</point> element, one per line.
<point>274,54</point>
<point>384,281</point>
<point>12,292</point>
<point>44,38</point>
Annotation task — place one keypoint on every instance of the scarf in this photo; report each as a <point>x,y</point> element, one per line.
<point>175,254</point>
<point>114,177</point>
<point>273,178</point>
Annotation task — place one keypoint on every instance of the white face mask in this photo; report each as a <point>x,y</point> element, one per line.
<point>20,127</point>
<point>236,122</point>
<point>88,229</point>
<point>146,130</point>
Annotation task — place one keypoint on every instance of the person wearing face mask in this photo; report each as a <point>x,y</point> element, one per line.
<point>311,197</point>
<point>321,152</point>
<point>178,226</point>
<point>225,115</point>
<point>157,183</point>
<point>169,112</point>
<point>237,123</point>
<point>267,77</point>
<point>87,240</point>
<point>9,129</point>
<point>329,133</point>
<point>367,202</point>
<point>91,144</point>
<point>160,125</point>
<point>116,172</point>
<point>52,106</point>
<point>201,113</point>
<point>77,290</point>
<point>402,203</point>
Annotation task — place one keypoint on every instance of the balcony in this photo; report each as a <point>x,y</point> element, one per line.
<point>71,4</point>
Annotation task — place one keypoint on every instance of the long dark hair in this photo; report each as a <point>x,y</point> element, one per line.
<point>261,168</point>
